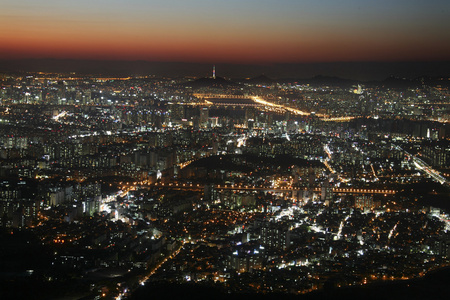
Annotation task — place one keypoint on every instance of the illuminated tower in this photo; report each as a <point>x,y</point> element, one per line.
<point>214,72</point>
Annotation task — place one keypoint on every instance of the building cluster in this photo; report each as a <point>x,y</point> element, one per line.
<point>144,179</point>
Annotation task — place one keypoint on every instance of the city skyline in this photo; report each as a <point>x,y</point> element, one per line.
<point>293,148</point>
<point>263,187</point>
<point>244,32</point>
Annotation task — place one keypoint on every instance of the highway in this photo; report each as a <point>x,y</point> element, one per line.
<point>261,102</point>
<point>424,167</point>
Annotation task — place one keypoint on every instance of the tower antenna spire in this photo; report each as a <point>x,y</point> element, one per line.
<point>214,71</point>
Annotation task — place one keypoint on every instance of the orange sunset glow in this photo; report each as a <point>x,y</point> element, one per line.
<point>202,32</point>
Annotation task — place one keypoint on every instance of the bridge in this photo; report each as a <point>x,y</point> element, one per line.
<point>200,187</point>
<point>363,191</point>
<point>225,96</point>
<point>337,119</point>
<point>317,189</point>
<point>224,103</point>
<point>227,100</point>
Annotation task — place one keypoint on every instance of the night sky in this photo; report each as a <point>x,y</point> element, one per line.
<point>231,31</point>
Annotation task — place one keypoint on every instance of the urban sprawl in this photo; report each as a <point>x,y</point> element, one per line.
<point>247,185</point>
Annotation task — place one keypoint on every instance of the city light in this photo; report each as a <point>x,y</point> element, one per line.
<point>136,181</point>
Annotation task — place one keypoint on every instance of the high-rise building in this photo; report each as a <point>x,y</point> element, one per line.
<point>204,115</point>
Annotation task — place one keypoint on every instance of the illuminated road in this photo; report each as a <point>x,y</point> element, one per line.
<point>153,270</point>
<point>60,115</point>
<point>421,165</point>
<point>339,234</point>
<point>337,119</point>
<point>424,167</point>
<point>300,112</point>
<point>267,104</point>
<point>329,167</point>
<point>293,110</point>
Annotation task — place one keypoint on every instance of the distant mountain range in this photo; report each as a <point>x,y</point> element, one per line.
<point>390,82</point>
<point>337,72</point>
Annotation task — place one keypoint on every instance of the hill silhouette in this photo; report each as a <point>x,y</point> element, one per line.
<point>364,71</point>
<point>261,79</point>
<point>209,82</point>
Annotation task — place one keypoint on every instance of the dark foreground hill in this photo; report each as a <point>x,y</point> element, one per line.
<point>432,286</point>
